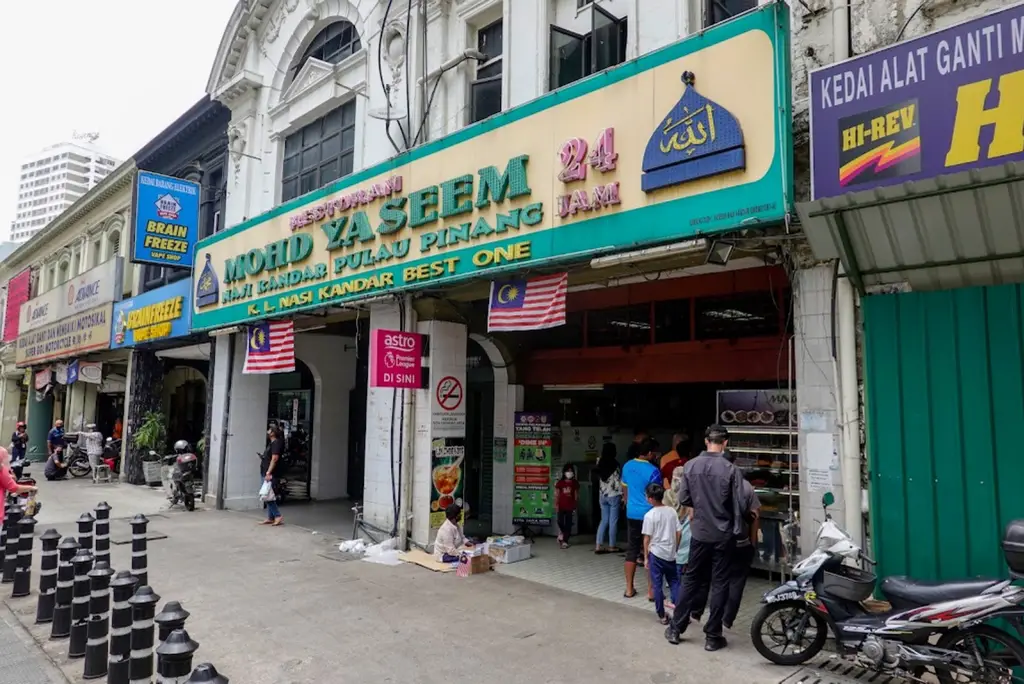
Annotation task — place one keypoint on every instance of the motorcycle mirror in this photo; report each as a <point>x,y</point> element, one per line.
<point>828,499</point>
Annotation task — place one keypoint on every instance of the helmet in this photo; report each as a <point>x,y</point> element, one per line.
<point>181,446</point>
<point>21,423</point>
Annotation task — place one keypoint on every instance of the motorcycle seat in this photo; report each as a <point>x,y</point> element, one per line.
<point>904,592</point>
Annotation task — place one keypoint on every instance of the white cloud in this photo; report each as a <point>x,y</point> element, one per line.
<point>124,68</point>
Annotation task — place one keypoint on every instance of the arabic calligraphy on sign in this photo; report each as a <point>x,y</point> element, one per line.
<point>695,133</point>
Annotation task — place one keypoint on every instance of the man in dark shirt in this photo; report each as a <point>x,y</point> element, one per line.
<point>270,470</point>
<point>55,438</point>
<point>711,486</point>
<point>19,449</point>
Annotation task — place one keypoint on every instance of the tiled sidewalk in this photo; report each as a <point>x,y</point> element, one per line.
<point>580,570</point>
<point>21,660</point>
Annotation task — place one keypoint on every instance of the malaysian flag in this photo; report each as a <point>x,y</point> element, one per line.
<point>533,304</point>
<point>270,348</point>
<point>463,569</point>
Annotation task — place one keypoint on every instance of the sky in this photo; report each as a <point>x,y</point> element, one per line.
<point>123,68</point>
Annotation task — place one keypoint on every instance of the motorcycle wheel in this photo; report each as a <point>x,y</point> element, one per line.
<point>1011,654</point>
<point>190,502</point>
<point>764,635</point>
<point>79,467</point>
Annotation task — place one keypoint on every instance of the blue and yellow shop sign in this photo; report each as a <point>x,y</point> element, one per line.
<point>158,315</point>
<point>692,139</point>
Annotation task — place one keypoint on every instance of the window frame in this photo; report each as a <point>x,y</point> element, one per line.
<point>590,52</point>
<point>709,4</point>
<point>319,42</point>
<point>488,80</point>
<point>344,125</point>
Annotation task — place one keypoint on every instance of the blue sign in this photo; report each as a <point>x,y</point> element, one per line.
<point>158,315</point>
<point>73,372</point>
<point>166,220</point>
<point>698,138</point>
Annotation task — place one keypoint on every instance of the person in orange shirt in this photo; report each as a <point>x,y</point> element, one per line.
<point>674,459</point>
<point>117,429</point>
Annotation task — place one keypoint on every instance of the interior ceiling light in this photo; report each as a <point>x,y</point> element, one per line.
<point>719,252</point>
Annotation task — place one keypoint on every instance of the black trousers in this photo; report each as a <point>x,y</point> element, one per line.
<point>565,524</point>
<point>739,570</point>
<point>709,566</point>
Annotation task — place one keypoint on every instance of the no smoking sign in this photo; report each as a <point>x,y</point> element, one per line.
<point>449,393</point>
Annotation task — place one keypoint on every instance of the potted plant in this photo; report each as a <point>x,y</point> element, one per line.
<point>151,437</point>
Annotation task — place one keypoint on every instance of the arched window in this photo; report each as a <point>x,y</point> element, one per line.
<point>331,45</point>
<point>113,244</point>
<point>62,273</point>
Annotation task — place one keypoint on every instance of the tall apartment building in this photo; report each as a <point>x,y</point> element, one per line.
<point>52,180</point>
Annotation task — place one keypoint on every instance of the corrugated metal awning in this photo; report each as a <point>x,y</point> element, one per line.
<point>956,230</point>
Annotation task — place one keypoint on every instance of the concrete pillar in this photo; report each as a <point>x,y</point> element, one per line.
<point>11,388</point>
<point>247,428</point>
<point>39,418</point>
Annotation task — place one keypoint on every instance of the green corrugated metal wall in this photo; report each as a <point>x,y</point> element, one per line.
<point>945,428</point>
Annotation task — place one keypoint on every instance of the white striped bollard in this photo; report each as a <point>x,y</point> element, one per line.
<point>171,617</point>
<point>140,668</point>
<point>99,621</point>
<point>123,588</point>
<point>85,525</point>
<point>206,674</point>
<point>23,573</point>
<point>47,576</point>
<point>13,543</point>
<point>174,658</point>
<point>61,627</point>
<point>140,526</point>
<point>82,563</point>
<point>3,534</point>
<point>103,532</point>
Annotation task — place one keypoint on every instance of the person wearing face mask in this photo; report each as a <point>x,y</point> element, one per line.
<point>567,494</point>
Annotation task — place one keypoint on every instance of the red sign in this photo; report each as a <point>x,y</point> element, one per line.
<point>395,359</point>
<point>449,393</point>
<point>18,289</point>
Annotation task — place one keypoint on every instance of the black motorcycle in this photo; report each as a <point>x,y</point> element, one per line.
<point>184,472</point>
<point>931,627</point>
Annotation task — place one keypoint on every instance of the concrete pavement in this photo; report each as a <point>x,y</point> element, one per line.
<point>278,606</point>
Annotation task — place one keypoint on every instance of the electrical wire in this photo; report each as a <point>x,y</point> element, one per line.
<point>405,64</point>
<point>384,86</point>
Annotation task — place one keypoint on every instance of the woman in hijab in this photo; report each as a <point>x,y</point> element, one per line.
<point>611,498</point>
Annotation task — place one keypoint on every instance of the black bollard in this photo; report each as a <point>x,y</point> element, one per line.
<point>123,588</point>
<point>140,525</point>
<point>103,532</point>
<point>143,605</point>
<point>85,524</point>
<point>47,576</point>
<point>13,543</point>
<point>61,626</point>
<point>174,658</point>
<point>99,621</point>
<point>80,603</point>
<point>206,674</point>
<point>172,617</point>
<point>3,534</point>
<point>23,573</point>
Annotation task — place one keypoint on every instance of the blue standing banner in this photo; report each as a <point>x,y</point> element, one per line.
<point>166,220</point>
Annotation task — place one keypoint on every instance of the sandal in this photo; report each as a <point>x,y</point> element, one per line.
<point>277,523</point>
<point>613,549</point>
<point>663,619</point>
<point>266,522</point>
<point>629,595</point>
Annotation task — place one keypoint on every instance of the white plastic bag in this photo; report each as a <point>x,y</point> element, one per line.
<point>267,492</point>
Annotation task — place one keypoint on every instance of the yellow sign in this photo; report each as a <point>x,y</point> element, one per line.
<point>557,179</point>
<point>154,321</point>
<point>84,332</point>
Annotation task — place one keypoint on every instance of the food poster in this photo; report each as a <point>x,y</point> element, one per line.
<point>447,472</point>
<point>533,491</point>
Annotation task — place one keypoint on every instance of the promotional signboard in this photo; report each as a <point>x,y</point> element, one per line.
<point>87,331</point>
<point>532,489</point>
<point>447,473</point>
<point>160,314</point>
<point>691,139</point>
<point>942,103</point>
<point>395,359</point>
<point>18,289</point>
<point>166,220</point>
<point>94,287</point>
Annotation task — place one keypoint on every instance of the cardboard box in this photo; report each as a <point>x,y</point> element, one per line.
<point>479,564</point>
<point>510,554</point>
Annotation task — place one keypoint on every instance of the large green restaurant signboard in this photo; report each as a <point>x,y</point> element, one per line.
<point>692,139</point>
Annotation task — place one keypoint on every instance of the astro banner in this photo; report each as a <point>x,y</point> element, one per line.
<point>166,220</point>
<point>946,102</point>
<point>692,139</point>
<point>157,315</point>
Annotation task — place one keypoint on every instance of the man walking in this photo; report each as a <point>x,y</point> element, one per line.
<point>636,475</point>
<point>711,486</point>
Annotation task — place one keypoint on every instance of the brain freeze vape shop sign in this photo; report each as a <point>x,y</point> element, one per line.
<point>942,103</point>
<point>166,220</point>
<point>699,129</point>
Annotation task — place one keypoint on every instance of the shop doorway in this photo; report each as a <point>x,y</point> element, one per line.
<point>479,464</point>
<point>185,404</point>
<point>291,407</point>
<point>109,409</point>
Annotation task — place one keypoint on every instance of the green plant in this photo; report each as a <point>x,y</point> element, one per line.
<point>151,435</point>
<point>201,446</point>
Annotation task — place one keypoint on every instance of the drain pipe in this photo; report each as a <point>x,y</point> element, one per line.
<point>222,456</point>
<point>408,441</point>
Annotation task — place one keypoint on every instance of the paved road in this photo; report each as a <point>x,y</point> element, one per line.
<point>21,659</point>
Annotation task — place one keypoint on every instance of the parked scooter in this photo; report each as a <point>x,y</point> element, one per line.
<point>931,627</point>
<point>184,472</point>
<point>80,466</point>
<point>112,455</point>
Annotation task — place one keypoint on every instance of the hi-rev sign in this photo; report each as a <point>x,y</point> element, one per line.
<point>395,359</point>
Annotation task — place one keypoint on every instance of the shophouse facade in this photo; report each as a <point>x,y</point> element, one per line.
<point>347,225</point>
<point>170,368</point>
<point>60,290</point>
<point>917,152</point>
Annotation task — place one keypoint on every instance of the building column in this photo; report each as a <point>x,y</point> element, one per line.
<point>12,389</point>
<point>39,416</point>
<point>816,395</point>
<point>143,392</point>
<point>247,400</point>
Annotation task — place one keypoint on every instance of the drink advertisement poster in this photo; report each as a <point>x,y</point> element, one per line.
<point>446,476</point>
<point>533,490</point>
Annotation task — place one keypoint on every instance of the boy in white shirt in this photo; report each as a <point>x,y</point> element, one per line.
<point>661,539</point>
